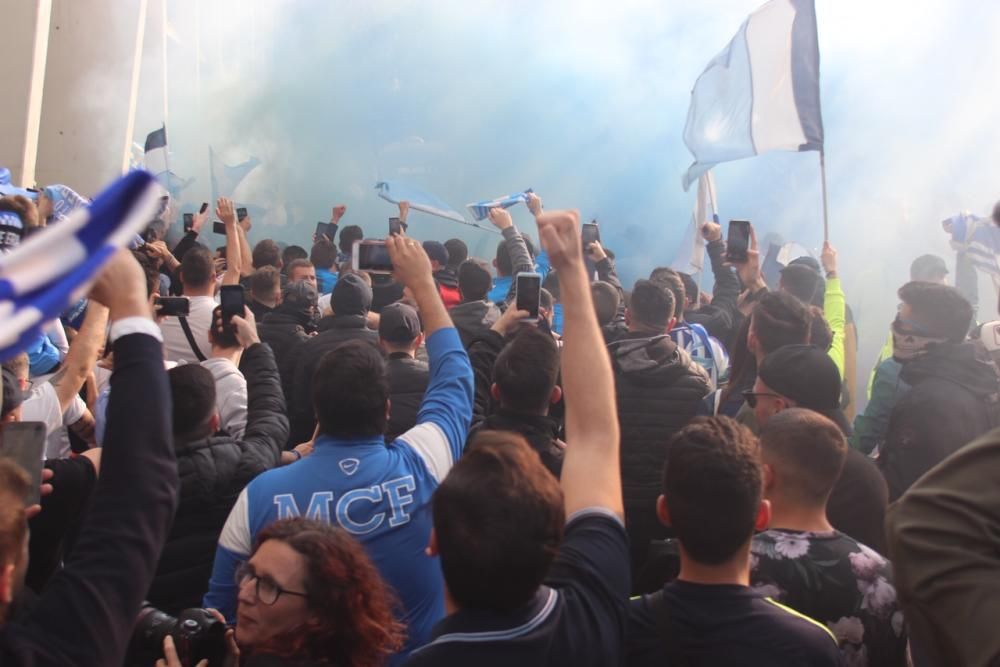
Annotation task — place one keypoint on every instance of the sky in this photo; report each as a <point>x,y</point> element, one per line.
<point>584,102</point>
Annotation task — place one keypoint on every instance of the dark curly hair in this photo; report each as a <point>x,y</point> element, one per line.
<point>353,609</point>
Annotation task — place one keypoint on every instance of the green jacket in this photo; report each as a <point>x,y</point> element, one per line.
<point>943,534</point>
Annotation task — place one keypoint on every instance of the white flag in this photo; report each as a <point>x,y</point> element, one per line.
<point>691,258</point>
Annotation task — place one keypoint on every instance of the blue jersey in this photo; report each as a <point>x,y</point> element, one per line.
<point>380,494</point>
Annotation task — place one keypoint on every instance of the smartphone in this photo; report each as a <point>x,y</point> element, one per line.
<point>396,227</point>
<point>204,207</point>
<point>372,256</point>
<point>231,298</point>
<point>241,213</point>
<point>172,306</point>
<point>590,233</point>
<point>24,444</point>
<point>738,241</point>
<point>188,222</point>
<point>219,227</point>
<point>327,229</point>
<point>529,293</point>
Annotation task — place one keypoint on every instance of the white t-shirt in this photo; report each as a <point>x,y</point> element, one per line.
<point>175,343</point>
<point>42,405</point>
<point>230,395</point>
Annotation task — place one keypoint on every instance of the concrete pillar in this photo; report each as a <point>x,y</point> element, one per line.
<point>23,52</point>
<point>89,100</point>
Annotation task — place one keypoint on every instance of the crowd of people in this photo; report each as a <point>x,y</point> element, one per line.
<point>368,468</point>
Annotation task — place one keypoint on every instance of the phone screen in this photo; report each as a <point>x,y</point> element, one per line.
<point>232,301</point>
<point>372,256</point>
<point>529,292</point>
<point>188,222</point>
<point>219,227</point>
<point>590,233</point>
<point>172,306</point>
<point>241,213</point>
<point>395,226</point>
<point>24,444</point>
<point>738,241</point>
<point>327,229</point>
<point>204,207</point>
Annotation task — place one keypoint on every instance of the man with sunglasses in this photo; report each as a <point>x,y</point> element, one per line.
<point>804,376</point>
<point>955,393</point>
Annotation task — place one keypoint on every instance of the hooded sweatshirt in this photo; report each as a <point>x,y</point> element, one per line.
<point>955,398</point>
<point>230,395</point>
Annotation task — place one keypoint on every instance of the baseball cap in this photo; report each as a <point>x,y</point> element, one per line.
<point>929,268</point>
<point>804,374</point>
<point>399,323</point>
<point>351,296</point>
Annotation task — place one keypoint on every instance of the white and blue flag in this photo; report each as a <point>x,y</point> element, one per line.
<point>691,257</point>
<point>481,210</point>
<point>226,178</point>
<point>395,192</point>
<point>761,93</point>
<point>53,269</point>
<point>979,239</point>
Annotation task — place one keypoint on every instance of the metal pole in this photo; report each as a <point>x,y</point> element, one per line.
<point>826,215</point>
<point>140,33</point>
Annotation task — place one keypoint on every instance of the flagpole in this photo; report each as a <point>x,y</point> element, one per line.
<point>822,175</point>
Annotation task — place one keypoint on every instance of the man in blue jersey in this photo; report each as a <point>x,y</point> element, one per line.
<point>379,493</point>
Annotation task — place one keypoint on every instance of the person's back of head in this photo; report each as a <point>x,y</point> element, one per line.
<point>805,452</point>
<point>803,282</point>
<point>526,370</point>
<point>777,320</point>
<point>669,279</point>
<point>14,486</point>
<point>265,285</point>
<point>399,328</point>
<point>651,307</point>
<point>222,336</point>
<point>606,301</point>
<point>348,235</point>
<point>458,252</point>
<point>935,310</point>
<point>266,253</point>
<point>498,523</point>
<point>474,280</point>
<point>352,295</point>
<point>351,391</point>
<point>503,261</point>
<point>197,269</point>
<point>151,272</point>
<point>691,291</point>
<point>292,253</point>
<point>437,253</point>
<point>323,255</point>
<point>192,389</point>
<point>929,269</point>
<point>712,485</point>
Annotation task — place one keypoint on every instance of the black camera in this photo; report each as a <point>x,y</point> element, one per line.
<point>196,632</point>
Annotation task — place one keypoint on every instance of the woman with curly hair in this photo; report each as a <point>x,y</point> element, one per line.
<point>309,595</point>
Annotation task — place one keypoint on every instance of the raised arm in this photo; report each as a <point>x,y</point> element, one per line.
<point>234,258</point>
<point>726,290</point>
<point>606,272</point>
<point>445,413</point>
<point>246,256</point>
<point>82,355</point>
<point>590,473</point>
<point>834,306</point>
<point>94,600</point>
<point>520,258</point>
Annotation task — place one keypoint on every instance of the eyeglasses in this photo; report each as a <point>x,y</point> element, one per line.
<point>266,589</point>
<point>750,397</point>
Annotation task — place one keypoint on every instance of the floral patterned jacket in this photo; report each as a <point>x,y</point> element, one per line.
<point>837,581</point>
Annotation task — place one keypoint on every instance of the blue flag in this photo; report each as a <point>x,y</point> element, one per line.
<point>481,210</point>
<point>226,178</point>
<point>52,269</point>
<point>395,192</point>
<point>978,238</point>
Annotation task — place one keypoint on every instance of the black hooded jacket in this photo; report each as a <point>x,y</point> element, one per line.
<point>658,389</point>
<point>213,471</point>
<point>954,398</point>
<point>284,329</point>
